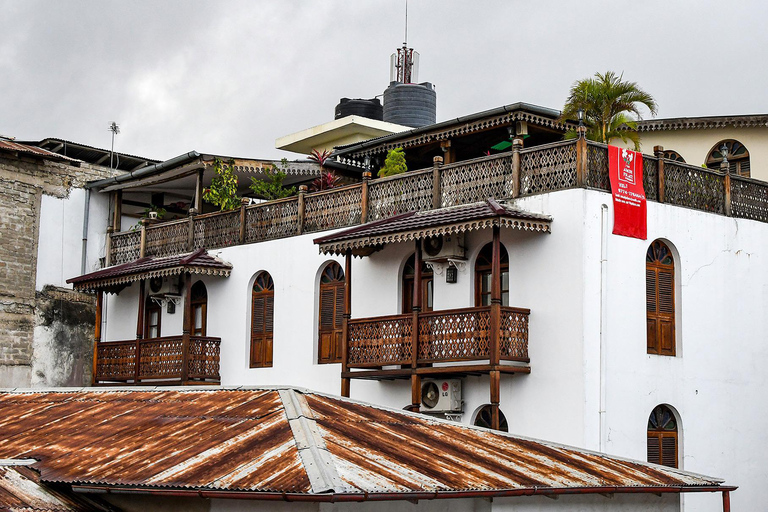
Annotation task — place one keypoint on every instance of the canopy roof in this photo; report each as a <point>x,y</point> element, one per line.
<point>286,443</point>
<point>198,262</point>
<point>443,221</point>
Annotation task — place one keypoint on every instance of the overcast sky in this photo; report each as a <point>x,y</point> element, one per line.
<point>229,77</point>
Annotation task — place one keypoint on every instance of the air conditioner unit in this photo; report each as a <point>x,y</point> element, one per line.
<point>441,395</point>
<point>444,247</point>
<point>168,285</point>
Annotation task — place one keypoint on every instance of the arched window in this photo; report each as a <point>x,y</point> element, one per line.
<point>199,309</point>
<point>660,299</point>
<point>331,314</point>
<point>673,155</point>
<point>427,285</point>
<point>484,418</point>
<point>152,316</point>
<point>483,276</point>
<point>738,157</point>
<point>662,437</point>
<point>262,320</point>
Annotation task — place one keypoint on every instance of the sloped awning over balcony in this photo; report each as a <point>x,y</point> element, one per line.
<point>198,262</point>
<point>363,240</point>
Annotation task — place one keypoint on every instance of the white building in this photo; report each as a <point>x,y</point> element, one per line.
<point>639,348</point>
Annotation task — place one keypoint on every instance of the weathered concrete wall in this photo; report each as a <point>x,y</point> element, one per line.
<point>62,351</point>
<point>23,182</point>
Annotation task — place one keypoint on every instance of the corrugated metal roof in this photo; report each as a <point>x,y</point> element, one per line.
<point>10,145</point>
<point>290,441</point>
<point>21,491</point>
<point>198,262</point>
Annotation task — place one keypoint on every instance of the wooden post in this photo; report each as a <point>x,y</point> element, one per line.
<point>118,211</point>
<point>495,377</point>
<point>517,145</point>
<point>199,190</point>
<point>186,328</point>
<point>97,334</point>
<point>448,151</point>
<point>495,325</point>
<point>415,392</point>
<point>191,229</point>
<point>726,501</point>
<point>345,381</point>
<point>437,195</point>
<point>108,251</point>
<point>302,191</point>
<point>415,378</point>
<point>243,217</point>
<point>658,151</point>
<point>364,198</point>
<point>581,162</point>
<point>143,244</point>
<point>725,168</point>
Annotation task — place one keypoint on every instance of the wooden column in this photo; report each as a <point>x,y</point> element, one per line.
<point>97,333</point>
<point>143,242</point>
<point>199,191</point>
<point>300,215</point>
<point>726,501</point>
<point>186,328</point>
<point>659,152</point>
<point>517,145</point>
<point>139,331</point>
<point>437,193</point>
<point>345,381</point>
<point>191,229</point>
<point>495,326</point>
<point>108,250</point>
<point>449,154</point>
<point>415,378</point>
<point>364,198</point>
<point>243,218</point>
<point>117,213</point>
<point>725,168</point>
<point>581,162</point>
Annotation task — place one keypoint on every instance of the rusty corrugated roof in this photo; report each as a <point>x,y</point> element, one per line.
<point>291,441</point>
<point>22,491</point>
<point>9,145</point>
<point>197,262</point>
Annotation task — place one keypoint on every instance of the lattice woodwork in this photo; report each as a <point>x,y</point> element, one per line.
<point>333,209</point>
<point>168,238</point>
<point>464,183</point>
<point>380,341</point>
<point>597,167</point>
<point>126,247</point>
<point>116,361</point>
<point>204,354</point>
<point>268,221</point>
<point>694,187</point>
<point>214,230</point>
<point>160,358</point>
<point>544,169</point>
<point>513,336</point>
<point>461,335</point>
<point>749,199</point>
<point>651,177</point>
<point>399,194</point>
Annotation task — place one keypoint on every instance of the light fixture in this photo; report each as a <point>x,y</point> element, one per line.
<point>582,128</point>
<point>451,274</point>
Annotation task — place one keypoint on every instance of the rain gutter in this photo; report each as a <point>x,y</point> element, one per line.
<point>146,171</point>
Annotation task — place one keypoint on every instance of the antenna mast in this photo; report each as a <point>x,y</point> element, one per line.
<point>405,41</point>
<point>115,130</point>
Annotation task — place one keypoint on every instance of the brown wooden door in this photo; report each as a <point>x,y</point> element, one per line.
<point>331,314</point>
<point>262,321</point>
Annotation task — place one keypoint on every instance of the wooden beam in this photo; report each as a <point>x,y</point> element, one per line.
<point>186,328</point>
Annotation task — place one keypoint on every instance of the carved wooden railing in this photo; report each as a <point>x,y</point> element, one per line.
<point>443,336</point>
<point>521,172</point>
<point>158,360</point>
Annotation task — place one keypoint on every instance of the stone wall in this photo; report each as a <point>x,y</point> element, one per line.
<point>23,181</point>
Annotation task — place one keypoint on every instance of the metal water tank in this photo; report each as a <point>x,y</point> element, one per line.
<point>411,105</point>
<point>371,108</point>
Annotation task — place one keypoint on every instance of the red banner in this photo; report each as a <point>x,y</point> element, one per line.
<point>625,168</point>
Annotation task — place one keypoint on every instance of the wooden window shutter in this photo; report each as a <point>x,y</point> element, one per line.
<point>662,437</point>
<point>331,314</point>
<point>660,300</point>
<point>262,321</point>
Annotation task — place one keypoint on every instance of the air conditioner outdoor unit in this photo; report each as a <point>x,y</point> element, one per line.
<point>441,395</point>
<point>168,285</point>
<point>444,247</point>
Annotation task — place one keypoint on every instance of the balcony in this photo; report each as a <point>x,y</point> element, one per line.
<point>468,341</point>
<point>161,361</point>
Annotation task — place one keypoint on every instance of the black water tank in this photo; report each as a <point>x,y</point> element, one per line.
<point>371,109</point>
<point>411,105</point>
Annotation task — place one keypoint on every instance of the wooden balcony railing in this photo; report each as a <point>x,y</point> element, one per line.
<point>536,170</point>
<point>456,335</point>
<point>158,361</point>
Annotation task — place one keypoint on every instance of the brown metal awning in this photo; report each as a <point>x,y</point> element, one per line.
<point>198,262</point>
<point>363,239</point>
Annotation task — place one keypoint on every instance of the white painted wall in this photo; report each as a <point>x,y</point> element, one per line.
<point>715,382</point>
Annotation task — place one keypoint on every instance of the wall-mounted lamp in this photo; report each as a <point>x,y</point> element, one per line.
<point>451,274</point>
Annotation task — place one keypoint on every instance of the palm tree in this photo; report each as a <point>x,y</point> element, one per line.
<point>611,107</point>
